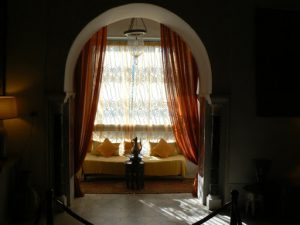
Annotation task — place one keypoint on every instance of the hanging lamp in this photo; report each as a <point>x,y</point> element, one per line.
<point>135,33</point>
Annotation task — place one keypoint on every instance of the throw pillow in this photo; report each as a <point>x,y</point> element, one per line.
<point>152,145</point>
<point>116,153</point>
<point>93,147</point>
<point>163,149</point>
<point>127,147</point>
<point>107,148</point>
<point>175,147</point>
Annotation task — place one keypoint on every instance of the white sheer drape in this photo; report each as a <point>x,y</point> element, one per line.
<point>132,98</point>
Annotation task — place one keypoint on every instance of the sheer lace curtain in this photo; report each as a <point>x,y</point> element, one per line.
<point>132,99</point>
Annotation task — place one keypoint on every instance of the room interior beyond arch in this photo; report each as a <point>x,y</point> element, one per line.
<point>150,12</point>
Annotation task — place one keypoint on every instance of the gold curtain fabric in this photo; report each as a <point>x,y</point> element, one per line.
<point>87,80</point>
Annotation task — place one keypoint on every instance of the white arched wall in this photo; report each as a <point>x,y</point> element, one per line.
<point>148,11</point>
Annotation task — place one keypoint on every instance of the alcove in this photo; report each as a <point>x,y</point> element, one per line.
<point>147,11</point>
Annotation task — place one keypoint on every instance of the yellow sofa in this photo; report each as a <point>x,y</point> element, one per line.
<point>107,158</point>
<point>153,166</point>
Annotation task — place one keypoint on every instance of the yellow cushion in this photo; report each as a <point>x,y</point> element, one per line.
<point>127,147</point>
<point>107,148</point>
<point>152,145</point>
<point>93,147</point>
<point>174,145</point>
<point>176,148</point>
<point>162,149</point>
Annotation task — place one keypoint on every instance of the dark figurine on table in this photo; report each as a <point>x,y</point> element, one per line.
<point>136,149</point>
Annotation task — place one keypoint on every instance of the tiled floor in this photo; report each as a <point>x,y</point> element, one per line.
<point>163,209</point>
<point>144,209</point>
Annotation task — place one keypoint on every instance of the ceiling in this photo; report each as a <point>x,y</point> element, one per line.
<point>117,29</point>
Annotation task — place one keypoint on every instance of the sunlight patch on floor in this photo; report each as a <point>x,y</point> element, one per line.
<point>187,210</point>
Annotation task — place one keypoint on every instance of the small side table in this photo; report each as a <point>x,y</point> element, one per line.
<point>134,174</point>
<point>254,199</point>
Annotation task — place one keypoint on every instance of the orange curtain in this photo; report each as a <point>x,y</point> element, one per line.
<point>88,75</point>
<point>181,76</point>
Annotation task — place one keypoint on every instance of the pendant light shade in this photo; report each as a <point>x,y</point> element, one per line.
<point>135,36</point>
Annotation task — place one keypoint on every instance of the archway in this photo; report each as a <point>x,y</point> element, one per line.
<point>148,11</point>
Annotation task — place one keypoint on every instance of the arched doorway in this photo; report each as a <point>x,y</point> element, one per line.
<point>148,11</point>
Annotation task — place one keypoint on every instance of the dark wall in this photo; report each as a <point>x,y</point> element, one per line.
<point>277,53</point>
